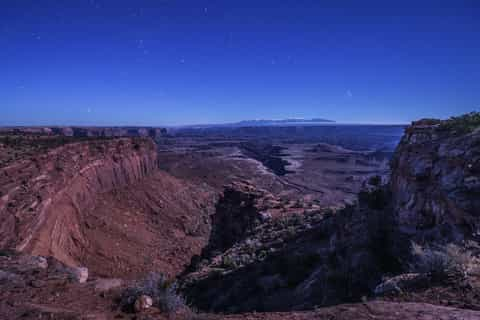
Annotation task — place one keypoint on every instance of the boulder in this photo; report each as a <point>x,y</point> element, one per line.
<point>107,284</point>
<point>400,283</point>
<point>79,274</point>
<point>143,303</point>
<point>27,262</point>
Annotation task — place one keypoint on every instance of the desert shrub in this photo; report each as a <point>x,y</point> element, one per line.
<point>229,262</point>
<point>262,255</point>
<point>441,263</point>
<point>291,231</point>
<point>156,285</point>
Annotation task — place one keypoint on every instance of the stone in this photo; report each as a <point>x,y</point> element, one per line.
<point>79,274</point>
<point>38,283</point>
<point>107,284</point>
<point>472,183</point>
<point>143,303</point>
<point>7,276</point>
<point>27,262</point>
<point>400,283</point>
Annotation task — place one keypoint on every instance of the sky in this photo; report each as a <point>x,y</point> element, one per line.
<point>173,62</point>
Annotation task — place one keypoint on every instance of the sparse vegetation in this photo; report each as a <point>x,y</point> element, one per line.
<point>441,263</point>
<point>229,262</point>
<point>162,291</point>
<point>461,124</point>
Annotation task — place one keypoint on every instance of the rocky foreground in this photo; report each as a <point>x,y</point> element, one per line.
<point>83,223</point>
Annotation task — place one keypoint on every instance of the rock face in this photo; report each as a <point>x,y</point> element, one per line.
<point>44,196</point>
<point>143,303</point>
<point>435,184</point>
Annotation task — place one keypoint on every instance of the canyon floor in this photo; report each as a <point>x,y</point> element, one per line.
<point>244,223</point>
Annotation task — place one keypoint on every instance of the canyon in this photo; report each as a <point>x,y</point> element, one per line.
<point>249,223</point>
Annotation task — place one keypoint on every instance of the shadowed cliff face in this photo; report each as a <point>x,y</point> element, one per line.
<point>235,214</point>
<point>436,184</point>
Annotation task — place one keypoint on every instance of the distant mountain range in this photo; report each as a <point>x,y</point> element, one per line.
<point>266,123</point>
<point>262,122</point>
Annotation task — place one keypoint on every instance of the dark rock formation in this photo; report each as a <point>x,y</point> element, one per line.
<point>235,214</point>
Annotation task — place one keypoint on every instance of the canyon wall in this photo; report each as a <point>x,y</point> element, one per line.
<point>44,197</point>
<point>435,184</point>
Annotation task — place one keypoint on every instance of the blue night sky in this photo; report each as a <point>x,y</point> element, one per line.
<point>168,62</point>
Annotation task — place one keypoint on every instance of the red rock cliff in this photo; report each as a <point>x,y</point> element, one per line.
<point>43,197</point>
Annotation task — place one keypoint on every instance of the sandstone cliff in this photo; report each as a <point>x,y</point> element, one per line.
<point>43,197</point>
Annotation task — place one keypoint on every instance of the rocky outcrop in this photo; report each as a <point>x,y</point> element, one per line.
<point>236,213</point>
<point>338,258</point>
<point>44,197</point>
<point>435,183</point>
